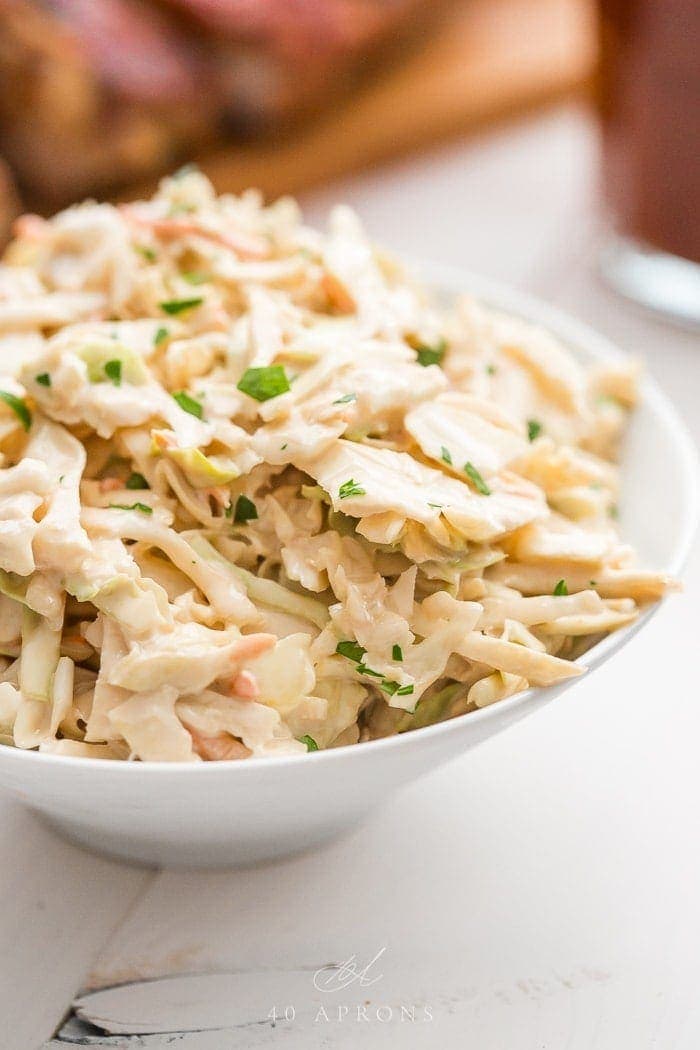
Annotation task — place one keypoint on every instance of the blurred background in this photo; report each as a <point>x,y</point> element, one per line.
<point>100,97</point>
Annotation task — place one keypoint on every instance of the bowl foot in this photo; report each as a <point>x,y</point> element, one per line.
<point>162,853</point>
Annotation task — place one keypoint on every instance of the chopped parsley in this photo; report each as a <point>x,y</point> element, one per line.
<point>396,653</point>
<point>534,429</point>
<point>43,379</point>
<point>592,583</point>
<point>368,671</point>
<point>245,510</point>
<point>196,277</point>
<point>561,590</point>
<point>161,335</point>
<point>18,406</point>
<point>149,254</point>
<point>136,481</point>
<point>477,480</point>
<point>438,506</point>
<point>431,355</point>
<point>311,744</point>
<point>264,383</point>
<point>143,507</point>
<point>178,306</point>
<point>445,455</point>
<point>393,687</point>
<point>609,399</point>
<point>491,370</point>
<point>614,511</point>
<point>346,399</point>
<point>351,651</point>
<point>189,404</point>
<point>350,488</point>
<point>180,208</point>
<point>113,371</point>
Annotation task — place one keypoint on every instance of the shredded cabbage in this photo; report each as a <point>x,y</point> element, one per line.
<point>304,506</point>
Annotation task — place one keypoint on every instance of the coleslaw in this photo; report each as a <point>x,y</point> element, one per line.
<point>260,495</point>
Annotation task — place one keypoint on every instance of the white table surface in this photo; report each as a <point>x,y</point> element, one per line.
<point>543,892</point>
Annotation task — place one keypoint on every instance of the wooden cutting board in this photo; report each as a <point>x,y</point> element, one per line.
<point>486,60</point>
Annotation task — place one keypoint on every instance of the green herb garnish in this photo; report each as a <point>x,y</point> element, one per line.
<point>396,653</point>
<point>614,511</point>
<point>149,254</point>
<point>245,510</point>
<point>178,306</point>
<point>368,671</point>
<point>431,355</point>
<point>264,383</point>
<point>345,399</point>
<point>491,370</point>
<point>477,480</point>
<point>136,481</point>
<point>609,399</point>
<point>113,371</point>
<point>561,590</point>
<point>534,429</point>
<point>351,651</point>
<point>350,488</point>
<point>311,744</point>
<point>18,406</point>
<point>180,208</point>
<point>143,507</point>
<point>161,335</point>
<point>390,687</point>
<point>196,277</point>
<point>43,379</point>
<point>445,455</point>
<point>189,404</point>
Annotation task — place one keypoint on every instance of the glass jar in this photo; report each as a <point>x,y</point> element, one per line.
<point>650,108</point>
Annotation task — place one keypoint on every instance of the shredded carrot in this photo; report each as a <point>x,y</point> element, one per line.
<point>338,296</point>
<point>244,245</point>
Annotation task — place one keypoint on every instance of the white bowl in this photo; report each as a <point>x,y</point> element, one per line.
<point>238,813</point>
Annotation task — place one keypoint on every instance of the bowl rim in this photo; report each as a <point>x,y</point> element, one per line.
<point>580,338</point>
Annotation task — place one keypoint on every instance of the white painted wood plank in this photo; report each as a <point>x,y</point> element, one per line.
<point>59,904</point>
